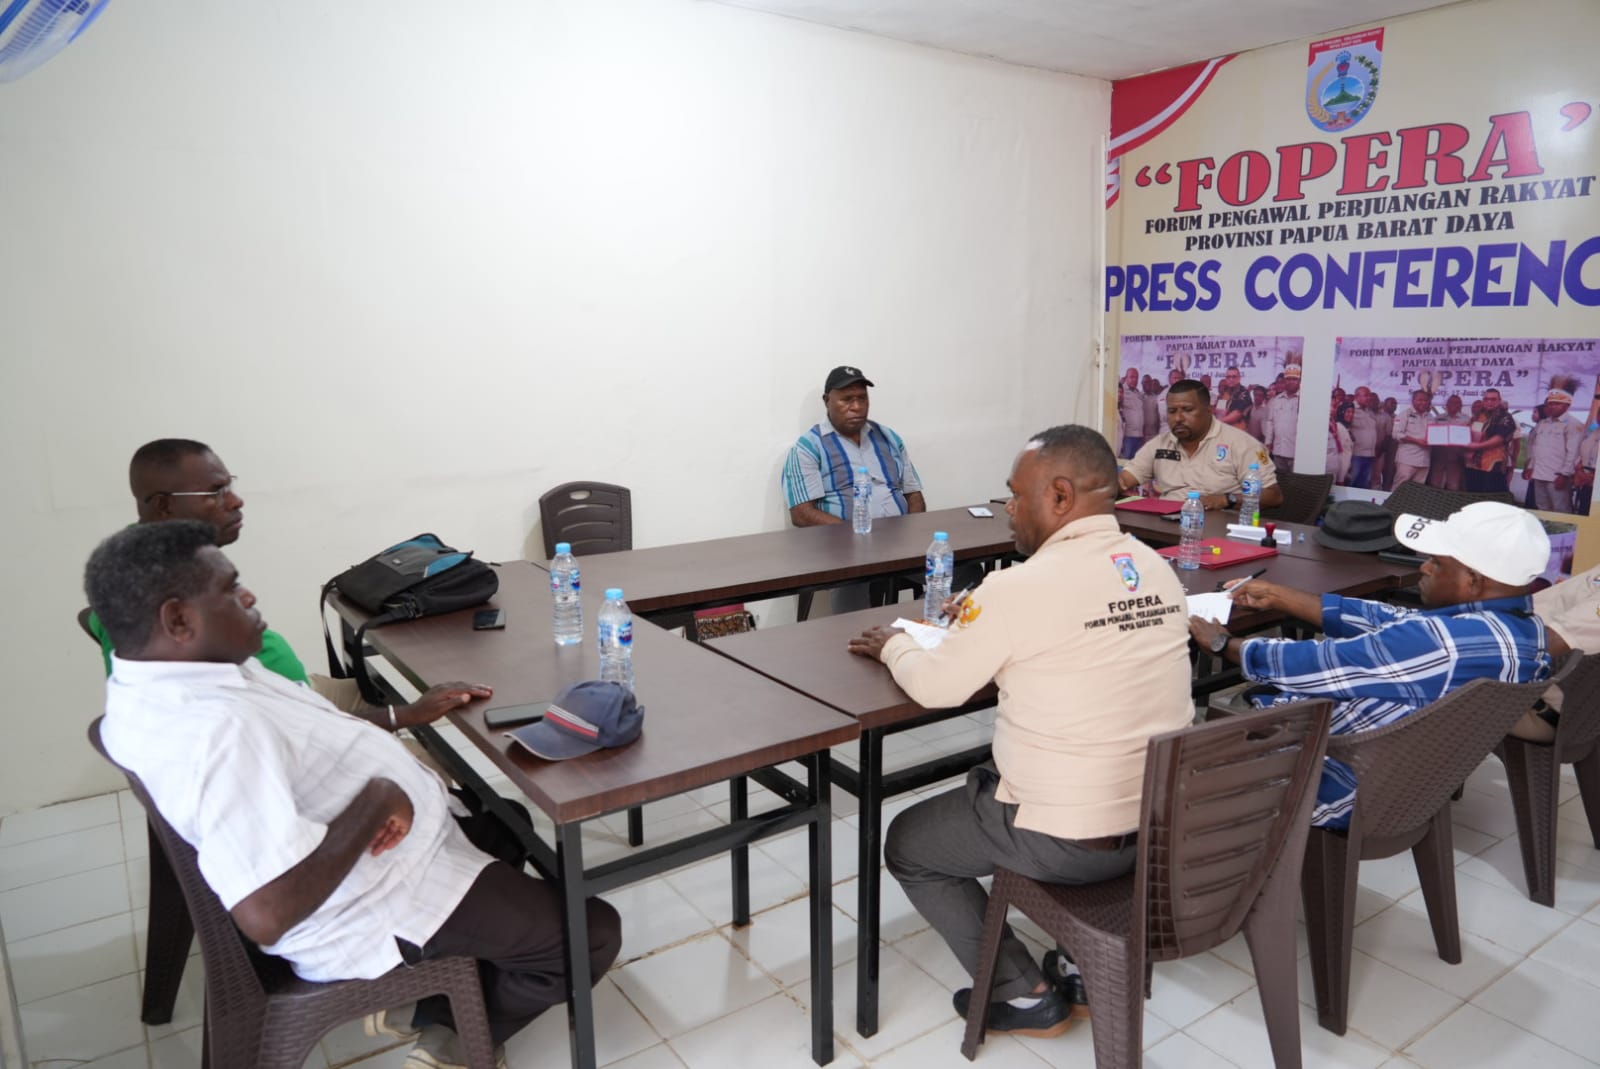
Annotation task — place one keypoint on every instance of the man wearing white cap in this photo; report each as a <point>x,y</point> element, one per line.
<point>1380,663</point>
<point>1283,416</point>
<point>1553,454</point>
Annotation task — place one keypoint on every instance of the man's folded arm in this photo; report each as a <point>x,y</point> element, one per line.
<point>375,820</point>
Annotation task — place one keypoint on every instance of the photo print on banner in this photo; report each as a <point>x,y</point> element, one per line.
<point>1518,415</point>
<point>1254,384</point>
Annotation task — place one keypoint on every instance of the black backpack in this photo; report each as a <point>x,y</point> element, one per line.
<point>418,577</point>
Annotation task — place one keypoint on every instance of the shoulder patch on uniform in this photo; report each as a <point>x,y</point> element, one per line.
<point>1126,570</point>
<point>1261,456</point>
<point>970,611</point>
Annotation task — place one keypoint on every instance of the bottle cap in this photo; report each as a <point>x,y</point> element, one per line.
<point>1255,467</point>
<point>1194,495</point>
<point>563,547</point>
<point>941,536</point>
<point>613,593</point>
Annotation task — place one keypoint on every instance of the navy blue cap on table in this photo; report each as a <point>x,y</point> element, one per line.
<point>843,376</point>
<point>588,716</point>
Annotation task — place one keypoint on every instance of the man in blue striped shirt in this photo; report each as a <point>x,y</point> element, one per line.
<point>820,473</point>
<point>1380,663</point>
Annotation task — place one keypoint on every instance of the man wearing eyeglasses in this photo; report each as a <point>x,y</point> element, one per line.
<point>181,479</point>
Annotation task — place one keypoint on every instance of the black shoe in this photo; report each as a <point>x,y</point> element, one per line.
<point>1051,1017</point>
<point>1070,984</point>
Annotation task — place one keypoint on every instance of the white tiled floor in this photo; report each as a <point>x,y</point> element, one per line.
<point>692,992</point>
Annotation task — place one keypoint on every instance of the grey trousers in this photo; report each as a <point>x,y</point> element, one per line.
<point>939,848</point>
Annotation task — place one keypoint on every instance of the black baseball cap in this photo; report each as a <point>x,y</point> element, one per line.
<point>843,376</point>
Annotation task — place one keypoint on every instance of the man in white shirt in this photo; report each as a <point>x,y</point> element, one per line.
<point>329,844</point>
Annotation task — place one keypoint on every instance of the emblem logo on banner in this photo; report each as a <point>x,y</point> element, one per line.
<point>1342,79</point>
<point>1126,569</point>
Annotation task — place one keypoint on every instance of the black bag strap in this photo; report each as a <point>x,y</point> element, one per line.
<point>357,669</point>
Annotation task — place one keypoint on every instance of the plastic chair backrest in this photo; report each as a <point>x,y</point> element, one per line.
<point>1222,802</point>
<point>232,979</point>
<point>593,517</point>
<point>1304,497</point>
<point>1436,503</point>
<point>1579,729</point>
<point>1406,771</point>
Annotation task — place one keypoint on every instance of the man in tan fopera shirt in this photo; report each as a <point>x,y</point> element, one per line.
<point>1198,452</point>
<point>1088,643</point>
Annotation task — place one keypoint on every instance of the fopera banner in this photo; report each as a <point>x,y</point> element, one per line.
<point>1431,177</point>
<point>1480,414</point>
<point>1243,375</point>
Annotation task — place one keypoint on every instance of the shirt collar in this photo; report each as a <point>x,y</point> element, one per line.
<point>866,428</point>
<point>1522,605</point>
<point>128,671</point>
<point>1080,527</point>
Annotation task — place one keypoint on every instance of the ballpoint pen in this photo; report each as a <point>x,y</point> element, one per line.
<point>1253,575</point>
<point>955,605</point>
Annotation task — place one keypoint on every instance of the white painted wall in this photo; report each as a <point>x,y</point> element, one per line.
<point>408,265</point>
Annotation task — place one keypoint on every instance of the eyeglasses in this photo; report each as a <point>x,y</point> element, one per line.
<point>219,496</point>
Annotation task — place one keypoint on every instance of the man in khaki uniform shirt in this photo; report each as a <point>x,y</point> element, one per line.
<point>1088,643</point>
<point>1198,452</point>
<point>1553,454</point>
<point>1411,459</point>
<point>1571,612</point>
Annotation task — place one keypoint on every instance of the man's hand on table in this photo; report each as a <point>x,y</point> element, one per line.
<point>439,700</point>
<point>871,641</point>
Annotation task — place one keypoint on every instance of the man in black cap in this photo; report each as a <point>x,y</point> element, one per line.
<point>820,473</point>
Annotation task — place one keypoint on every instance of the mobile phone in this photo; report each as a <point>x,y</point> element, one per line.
<point>488,619</point>
<point>1170,517</point>
<point>980,511</point>
<point>511,715</point>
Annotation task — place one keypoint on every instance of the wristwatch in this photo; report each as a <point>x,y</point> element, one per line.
<point>1232,500</point>
<point>1219,641</point>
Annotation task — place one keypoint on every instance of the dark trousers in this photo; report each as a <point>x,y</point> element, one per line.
<point>1361,472</point>
<point>1483,482</point>
<point>511,922</point>
<point>939,848</point>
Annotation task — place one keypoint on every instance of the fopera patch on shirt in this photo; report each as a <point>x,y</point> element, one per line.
<point>1126,569</point>
<point>1222,452</point>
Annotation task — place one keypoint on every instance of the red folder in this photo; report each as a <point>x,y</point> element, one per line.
<point>1158,505</point>
<point>1232,552</point>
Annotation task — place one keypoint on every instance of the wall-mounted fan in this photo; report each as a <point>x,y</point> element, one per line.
<point>31,31</point>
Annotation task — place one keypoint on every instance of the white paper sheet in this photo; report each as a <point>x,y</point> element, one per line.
<point>926,635</point>
<point>1211,606</point>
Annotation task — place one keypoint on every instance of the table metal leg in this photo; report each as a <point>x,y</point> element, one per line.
<point>739,809</point>
<point>575,935</point>
<point>636,826</point>
<point>870,843</point>
<point>821,833</point>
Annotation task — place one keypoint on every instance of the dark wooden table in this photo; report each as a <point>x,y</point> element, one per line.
<point>698,575</point>
<point>811,658</point>
<point>706,721</point>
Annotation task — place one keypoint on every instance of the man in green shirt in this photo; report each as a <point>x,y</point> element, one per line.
<point>181,479</point>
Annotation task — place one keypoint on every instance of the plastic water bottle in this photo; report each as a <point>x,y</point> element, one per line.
<point>566,595</point>
<point>1193,525</point>
<point>936,578</point>
<point>616,640</point>
<point>1250,506</point>
<point>861,508</point>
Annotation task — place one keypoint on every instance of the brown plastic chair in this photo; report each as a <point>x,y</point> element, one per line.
<point>168,931</point>
<point>258,1014</point>
<point>1436,503</point>
<point>1533,775</point>
<point>1221,832</point>
<point>593,517</point>
<point>1304,498</point>
<point>1405,775</point>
